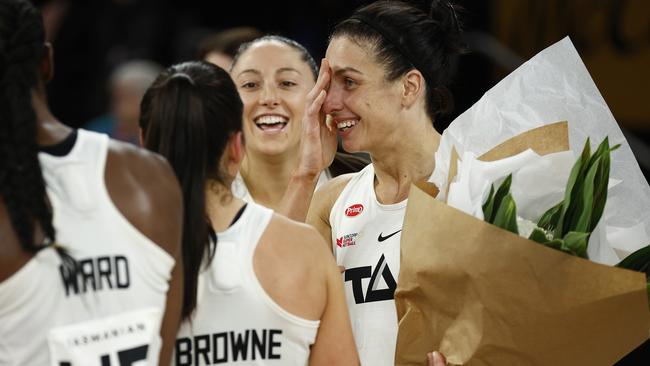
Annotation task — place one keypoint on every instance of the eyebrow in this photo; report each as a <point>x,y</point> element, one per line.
<point>347,69</point>
<point>248,70</point>
<point>283,69</point>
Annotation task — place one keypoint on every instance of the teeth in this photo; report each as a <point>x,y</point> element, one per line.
<point>271,120</point>
<point>346,124</point>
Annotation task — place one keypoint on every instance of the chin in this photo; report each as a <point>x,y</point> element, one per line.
<point>352,146</point>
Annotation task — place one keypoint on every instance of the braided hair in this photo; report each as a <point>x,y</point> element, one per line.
<point>22,188</point>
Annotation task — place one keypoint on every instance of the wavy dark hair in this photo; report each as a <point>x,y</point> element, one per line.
<point>403,36</point>
<point>187,115</point>
<point>22,188</point>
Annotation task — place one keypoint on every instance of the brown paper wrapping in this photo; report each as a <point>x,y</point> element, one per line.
<point>484,296</point>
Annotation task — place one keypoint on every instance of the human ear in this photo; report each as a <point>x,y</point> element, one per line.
<point>236,153</point>
<point>412,87</point>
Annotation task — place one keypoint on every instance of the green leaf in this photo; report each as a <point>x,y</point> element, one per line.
<point>538,235</point>
<point>585,203</point>
<point>502,191</point>
<point>506,215</point>
<point>488,205</point>
<point>555,244</point>
<point>576,242</point>
<point>600,186</point>
<point>549,219</point>
<point>572,186</point>
<point>637,260</point>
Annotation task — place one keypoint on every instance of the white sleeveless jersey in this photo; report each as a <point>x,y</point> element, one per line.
<point>236,321</point>
<point>240,190</point>
<point>110,314</point>
<point>366,241</point>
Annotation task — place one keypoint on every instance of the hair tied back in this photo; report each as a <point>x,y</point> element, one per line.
<point>181,76</point>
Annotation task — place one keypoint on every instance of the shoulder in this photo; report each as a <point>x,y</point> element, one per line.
<point>300,238</point>
<point>333,188</point>
<point>144,188</point>
<point>323,202</point>
<point>306,245</point>
<point>142,170</point>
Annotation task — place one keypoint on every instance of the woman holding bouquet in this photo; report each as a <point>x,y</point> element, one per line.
<point>383,84</point>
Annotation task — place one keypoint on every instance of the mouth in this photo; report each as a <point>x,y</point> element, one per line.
<point>345,125</point>
<point>271,122</point>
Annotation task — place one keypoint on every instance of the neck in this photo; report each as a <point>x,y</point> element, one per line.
<point>221,205</point>
<point>267,177</point>
<point>401,164</point>
<point>49,130</point>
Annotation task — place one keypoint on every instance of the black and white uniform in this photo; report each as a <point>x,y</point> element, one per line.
<point>110,314</point>
<point>366,241</point>
<point>236,321</point>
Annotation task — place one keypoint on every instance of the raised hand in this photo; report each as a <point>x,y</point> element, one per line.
<point>318,141</point>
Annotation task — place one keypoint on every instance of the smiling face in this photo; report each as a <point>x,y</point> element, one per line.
<point>273,81</point>
<point>364,106</point>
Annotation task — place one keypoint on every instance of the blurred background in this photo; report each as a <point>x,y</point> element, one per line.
<point>108,51</point>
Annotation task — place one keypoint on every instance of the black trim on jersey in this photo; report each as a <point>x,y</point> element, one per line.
<point>62,148</point>
<point>238,215</point>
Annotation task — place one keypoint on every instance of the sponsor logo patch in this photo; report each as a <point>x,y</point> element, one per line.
<point>354,210</point>
<point>346,240</point>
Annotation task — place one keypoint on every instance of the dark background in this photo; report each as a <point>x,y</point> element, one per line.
<point>92,37</point>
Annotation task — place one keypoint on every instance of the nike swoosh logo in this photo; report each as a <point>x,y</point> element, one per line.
<point>382,238</point>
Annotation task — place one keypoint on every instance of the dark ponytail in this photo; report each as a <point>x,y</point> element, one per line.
<point>407,35</point>
<point>22,188</point>
<point>187,115</point>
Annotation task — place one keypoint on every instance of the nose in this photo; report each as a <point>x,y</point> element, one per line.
<point>269,96</point>
<point>334,99</point>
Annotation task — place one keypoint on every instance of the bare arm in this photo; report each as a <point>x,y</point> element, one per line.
<point>145,190</point>
<point>317,150</point>
<point>297,198</point>
<point>321,206</point>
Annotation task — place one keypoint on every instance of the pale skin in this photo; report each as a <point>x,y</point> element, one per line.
<point>281,166</point>
<point>391,125</point>
<point>303,280</point>
<point>389,122</point>
<point>130,173</point>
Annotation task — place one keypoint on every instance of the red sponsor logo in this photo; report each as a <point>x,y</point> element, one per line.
<point>354,210</point>
<point>346,240</point>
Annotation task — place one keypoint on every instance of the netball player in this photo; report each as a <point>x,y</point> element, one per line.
<point>89,228</point>
<point>262,291</point>
<point>388,66</point>
<point>273,75</point>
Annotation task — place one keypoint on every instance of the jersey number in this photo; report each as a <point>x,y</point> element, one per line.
<point>126,357</point>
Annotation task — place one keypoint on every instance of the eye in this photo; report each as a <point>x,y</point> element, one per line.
<point>248,85</point>
<point>287,84</point>
<point>349,83</point>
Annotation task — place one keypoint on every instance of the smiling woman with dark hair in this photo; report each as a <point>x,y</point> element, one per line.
<point>384,85</point>
<point>257,288</point>
<point>274,74</point>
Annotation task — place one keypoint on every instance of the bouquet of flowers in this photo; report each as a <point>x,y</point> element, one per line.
<point>483,294</point>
